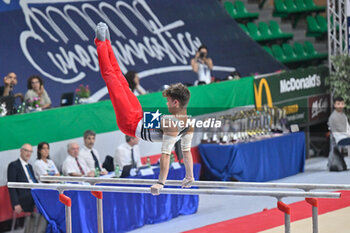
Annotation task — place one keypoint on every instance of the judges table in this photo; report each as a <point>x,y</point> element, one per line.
<point>121,211</point>
<point>258,161</point>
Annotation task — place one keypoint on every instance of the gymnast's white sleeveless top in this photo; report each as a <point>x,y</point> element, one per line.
<point>156,135</point>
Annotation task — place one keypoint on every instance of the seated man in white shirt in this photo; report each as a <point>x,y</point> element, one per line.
<point>89,154</point>
<point>73,165</point>
<point>128,153</point>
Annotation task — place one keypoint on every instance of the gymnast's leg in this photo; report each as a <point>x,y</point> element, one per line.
<point>131,97</point>
<point>127,117</point>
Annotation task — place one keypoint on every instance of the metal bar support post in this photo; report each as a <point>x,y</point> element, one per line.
<point>286,210</point>
<point>68,210</point>
<point>314,203</point>
<point>99,197</point>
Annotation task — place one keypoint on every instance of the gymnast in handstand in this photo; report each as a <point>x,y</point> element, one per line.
<point>129,112</point>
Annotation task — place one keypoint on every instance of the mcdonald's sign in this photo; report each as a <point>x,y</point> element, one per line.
<point>291,90</point>
<point>258,93</point>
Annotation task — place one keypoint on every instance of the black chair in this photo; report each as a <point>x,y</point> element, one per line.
<point>336,160</point>
<point>67,99</point>
<point>108,164</point>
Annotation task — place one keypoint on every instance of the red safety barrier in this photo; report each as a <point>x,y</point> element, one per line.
<point>312,201</point>
<point>65,200</point>
<point>97,194</point>
<point>283,207</point>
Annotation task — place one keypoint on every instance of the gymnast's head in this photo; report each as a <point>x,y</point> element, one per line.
<point>177,96</point>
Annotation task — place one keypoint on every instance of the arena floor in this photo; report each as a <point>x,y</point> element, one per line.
<point>214,210</point>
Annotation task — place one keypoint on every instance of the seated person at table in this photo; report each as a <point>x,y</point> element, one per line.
<point>35,86</point>
<point>21,199</point>
<point>73,165</point>
<point>21,171</point>
<point>340,132</point>
<point>44,166</point>
<point>89,154</point>
<point>128,153</point>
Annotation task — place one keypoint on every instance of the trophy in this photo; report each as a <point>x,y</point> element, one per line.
<point>205,138</point>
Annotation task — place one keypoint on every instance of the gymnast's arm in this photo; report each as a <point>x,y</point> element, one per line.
<point>169,140</point>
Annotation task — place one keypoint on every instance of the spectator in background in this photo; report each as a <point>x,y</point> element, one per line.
<point>21,171</point>
<point>89,154</point>
<point>128,153</point>
<point>10,81</point>
<point>340,136</point>
<point>43,166</point>
<point>35,86</point>
<point>6,93</point>
<point>338,122</point>
<point>134,83</point>
<point>73,165</point>
<point>21,199</point>
<point>202,65</point>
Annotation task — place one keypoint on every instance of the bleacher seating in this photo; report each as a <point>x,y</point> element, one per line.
<point>316,26</point>
<point>312,6</point>
<point>284,8</point>
<point>276,30</point>
<point>264,33</point>
<point>295,9</point>
<point>239,12</point>
<point>275,42</point>
<point>297,53</point>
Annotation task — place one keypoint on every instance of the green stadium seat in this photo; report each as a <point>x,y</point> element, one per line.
<point>265,31</point>
<point>291,7</point>
<point>300,52</point>
<point>277,32</point>
<point>275,27</point>
<point>300,4</point>
<point>311,5</point>
<point>230,9</point>
<point>312,53</point>
<point>242,12</point>
<point>313,28</point>
<point>322,22</point>
<point>254,32</point>
<point>289,52</point>
<point>280,9</point>
<point>278,53</point>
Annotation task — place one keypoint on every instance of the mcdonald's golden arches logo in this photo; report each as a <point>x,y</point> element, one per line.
<point>258,94</point>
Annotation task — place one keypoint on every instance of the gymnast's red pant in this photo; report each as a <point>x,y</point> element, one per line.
<point>127,107</point>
